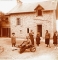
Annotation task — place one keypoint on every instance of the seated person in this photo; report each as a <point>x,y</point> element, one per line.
<point>26,43</point>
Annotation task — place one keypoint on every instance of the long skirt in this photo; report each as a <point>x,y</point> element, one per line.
<point>32,41</point>
<point>55,41</point>
<point>37,41</point>
<point>46,41</point>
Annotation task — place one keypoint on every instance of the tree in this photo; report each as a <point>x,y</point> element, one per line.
<point>3,19</point>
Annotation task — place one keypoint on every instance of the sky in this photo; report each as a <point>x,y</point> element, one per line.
<point>7,5</point>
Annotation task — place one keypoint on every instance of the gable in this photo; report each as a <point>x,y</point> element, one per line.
<point>39,7</point>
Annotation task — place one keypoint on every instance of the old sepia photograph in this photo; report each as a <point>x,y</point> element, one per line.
<point>28,29</point>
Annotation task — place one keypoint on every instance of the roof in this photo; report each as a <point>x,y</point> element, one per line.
<point>30,7</point>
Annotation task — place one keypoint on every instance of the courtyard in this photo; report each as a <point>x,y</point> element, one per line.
<point>42,52</point>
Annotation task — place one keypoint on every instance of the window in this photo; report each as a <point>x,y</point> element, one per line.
<point>39,13</point>
<point>18,21</point>
<point>27,30</point>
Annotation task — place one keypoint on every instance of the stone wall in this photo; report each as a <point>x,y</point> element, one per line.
<point>30,20</point>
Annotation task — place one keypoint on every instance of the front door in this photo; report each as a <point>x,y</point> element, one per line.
<point>39,29</point>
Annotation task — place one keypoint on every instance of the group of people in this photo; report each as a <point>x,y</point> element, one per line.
<point>31,38</point>
<point>55,38</point>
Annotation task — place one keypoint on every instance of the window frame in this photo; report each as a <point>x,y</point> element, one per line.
<point>18,21</point>
<point>39,14</point>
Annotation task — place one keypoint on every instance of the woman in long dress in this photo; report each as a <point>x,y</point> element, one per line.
<point>47,38</point>
<point>55,39</point>
<point>38,38</point>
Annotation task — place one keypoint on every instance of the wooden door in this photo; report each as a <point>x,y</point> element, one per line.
<point>39,29</point>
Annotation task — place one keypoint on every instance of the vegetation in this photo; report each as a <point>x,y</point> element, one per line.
<point>3,19</point>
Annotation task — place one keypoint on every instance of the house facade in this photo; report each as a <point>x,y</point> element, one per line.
<point>33,16</point>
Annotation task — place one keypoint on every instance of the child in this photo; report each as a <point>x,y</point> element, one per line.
<point>13,40</point>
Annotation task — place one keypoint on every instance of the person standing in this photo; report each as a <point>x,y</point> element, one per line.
<point>38,38</point>
<point>55,39</point>
<point>13,40</point>
<point>47,38</point>
<point>31,35</point>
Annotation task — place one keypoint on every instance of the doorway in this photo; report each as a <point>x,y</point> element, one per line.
<point>5,32</point>
<point>39,29</point>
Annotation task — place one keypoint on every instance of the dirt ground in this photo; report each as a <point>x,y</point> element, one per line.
<point>42,52</point>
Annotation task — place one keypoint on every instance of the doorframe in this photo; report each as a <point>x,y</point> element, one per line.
<point>37,28</point>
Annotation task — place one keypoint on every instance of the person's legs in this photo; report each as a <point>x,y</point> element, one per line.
<point>55,46</point>
<point>32,41</point>
<point>47,42</point>
<point>12,44</point>
<point>37,44</point>
<point>47,45</point>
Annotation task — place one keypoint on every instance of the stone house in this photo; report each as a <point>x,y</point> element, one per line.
<point>40,16</point>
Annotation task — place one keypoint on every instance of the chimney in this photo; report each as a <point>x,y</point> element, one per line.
<point>19,2</point>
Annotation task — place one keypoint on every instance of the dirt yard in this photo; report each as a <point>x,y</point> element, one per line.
<point>42,52</point>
